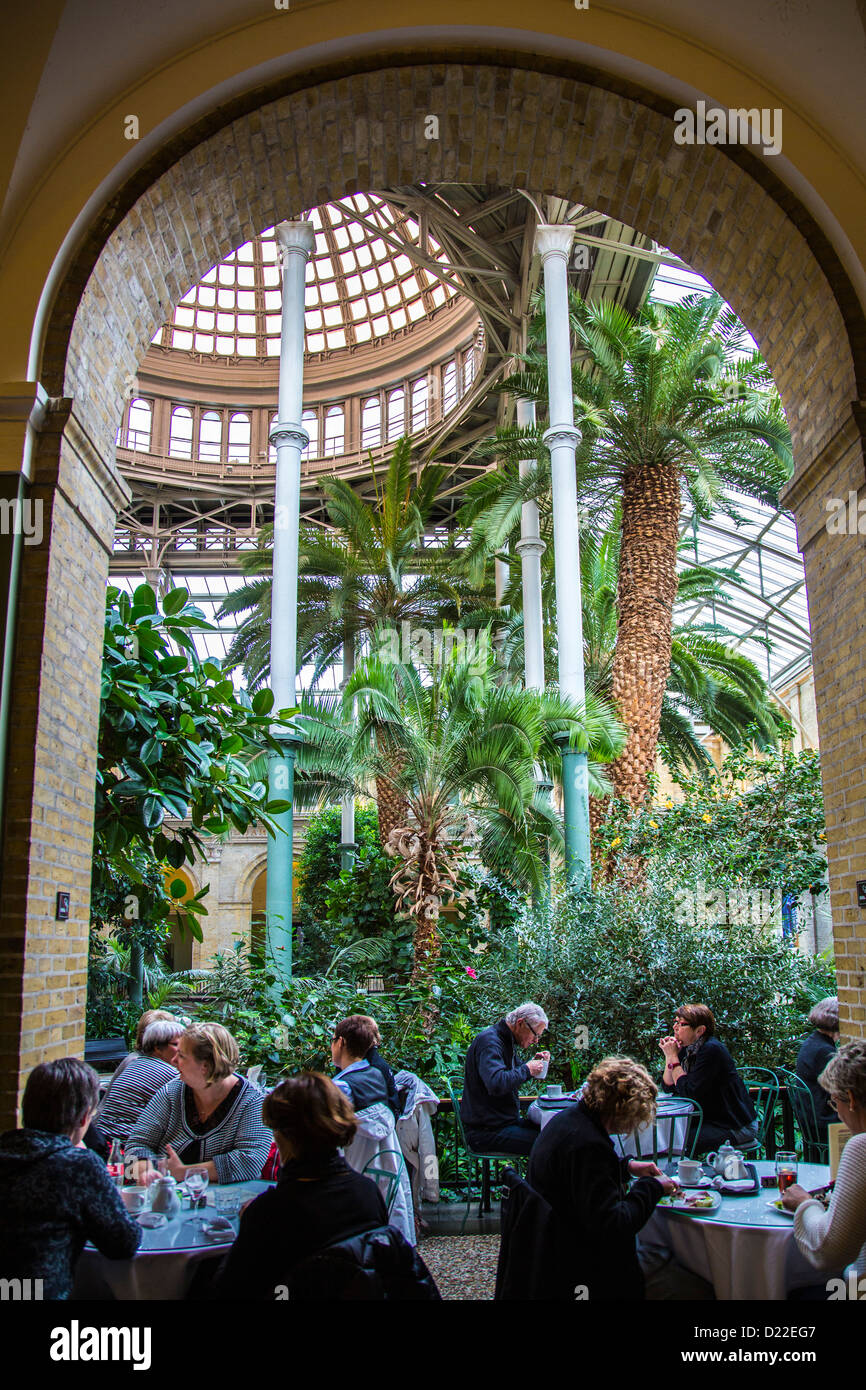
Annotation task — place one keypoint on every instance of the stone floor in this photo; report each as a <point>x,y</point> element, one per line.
<point>464,1267</point>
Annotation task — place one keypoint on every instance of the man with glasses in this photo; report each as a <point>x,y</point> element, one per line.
<point>490,1108</point>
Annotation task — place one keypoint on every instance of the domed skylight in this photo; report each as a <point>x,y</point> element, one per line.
<point>361,286</point>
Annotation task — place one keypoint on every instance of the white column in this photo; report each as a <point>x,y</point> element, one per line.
<point>296,241</point>
<point>553,244</point>
<point>530,548</point>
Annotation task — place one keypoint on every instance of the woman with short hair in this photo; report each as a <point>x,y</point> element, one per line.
<point>54,1194</point>
<point>832,1239</point>
<point>816,1052</point>
<point>318,1199</point>
<point>208,1117</point>
<point>576,1169</point>
<point>699,1067</point>
<point>137,1079</point>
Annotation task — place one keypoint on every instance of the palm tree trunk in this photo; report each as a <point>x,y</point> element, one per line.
<point>393,809</point>
<point>647,590</point>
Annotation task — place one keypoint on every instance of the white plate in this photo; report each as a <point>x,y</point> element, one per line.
<point>780,1210</point>
<point>678,1202</point>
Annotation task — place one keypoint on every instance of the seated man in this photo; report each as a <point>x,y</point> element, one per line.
<point>490,1108</point>
<point>376,1135</point>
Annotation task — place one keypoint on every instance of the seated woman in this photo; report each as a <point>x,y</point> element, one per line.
<point>699,1067</point>
<point>208,1117</point>
<point>318,1199</point>
<point>576,1169</point>
<point>815,1053</point>
<point>55,1194</point>
<point>137,1080</point>
<point>832,1239</point>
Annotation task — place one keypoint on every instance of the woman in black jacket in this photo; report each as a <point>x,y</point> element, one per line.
<point>576,1169</point>
<point>701,1068</point>
<point>818,1049</point>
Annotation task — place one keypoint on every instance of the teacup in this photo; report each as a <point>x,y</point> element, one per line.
<point>688,1172</point>
<point>554,1092</point>
<point>134,1199</point>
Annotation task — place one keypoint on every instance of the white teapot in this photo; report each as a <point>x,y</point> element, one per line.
<point>728,1162</point>
<point>165,1199</point>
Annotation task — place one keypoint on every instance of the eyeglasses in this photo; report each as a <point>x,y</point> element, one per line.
<point>536,1036</point>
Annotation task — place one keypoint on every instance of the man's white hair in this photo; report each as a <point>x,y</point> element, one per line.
<point>527,1013</point>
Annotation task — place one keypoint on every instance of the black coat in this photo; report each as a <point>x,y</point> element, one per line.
<point>492,1081</point>
<point>714,1082</point>
<point>575,1168</point>
<point>378,1061</point>
<point>812,1058</point>
<point>312,1205</point>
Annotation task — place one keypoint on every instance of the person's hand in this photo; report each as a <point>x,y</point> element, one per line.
<point>174,1165</point>
<point>645,1169</point>
<point>794,1195</point>
<point>536,1066</point>
<point>670,1048</point>
<point>668,1185</point>
<point>143,1172</point>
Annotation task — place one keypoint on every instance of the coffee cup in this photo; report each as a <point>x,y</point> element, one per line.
<point>544,1058</point>
<point>688,1171</point>
<point>134,1199</point>
<point>554,1092</point>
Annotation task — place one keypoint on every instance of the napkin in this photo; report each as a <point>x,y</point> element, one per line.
<point>734,1184</point>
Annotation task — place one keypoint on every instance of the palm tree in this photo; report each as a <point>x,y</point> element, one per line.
<point>709,681</point>
<point>672,408</point>
<point>368,575</point>
<point>459,748</point>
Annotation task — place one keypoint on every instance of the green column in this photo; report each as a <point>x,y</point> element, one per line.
<point>575,806</point>
<point>278,900</point>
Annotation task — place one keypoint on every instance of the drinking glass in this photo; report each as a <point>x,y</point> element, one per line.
<point>786,1170</point>
<point>196,1181</point>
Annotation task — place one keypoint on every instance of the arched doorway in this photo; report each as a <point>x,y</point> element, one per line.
<point>555,132</point>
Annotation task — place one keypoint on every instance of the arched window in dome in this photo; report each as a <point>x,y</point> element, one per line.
<point>371,423</point>
<point>210,435</point>
<point>272,448</point>
<point>396,414</point>
<point>180,433</point>
<point>468,369</point>
<point>310,422</point>
<point>449,388</point>
<point>239,438</point>
<point>140,424</point>
<point>420,393</point>
<point>335,431</point>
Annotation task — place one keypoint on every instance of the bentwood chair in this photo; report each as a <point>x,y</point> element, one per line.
<point>669,1146</point>
<point>474,1155</point>
<point>766,1083</point>
<point>386,1169</point>
<point>815,1146</point>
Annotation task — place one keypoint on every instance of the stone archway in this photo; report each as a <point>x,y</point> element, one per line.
<point>501,125</point>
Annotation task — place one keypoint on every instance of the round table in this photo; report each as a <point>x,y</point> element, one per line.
<point>745,1249</point>
<point>164,1263</point>
<point>671,1113</point>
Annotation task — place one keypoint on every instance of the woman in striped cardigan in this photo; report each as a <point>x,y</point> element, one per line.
<point>210,1117</point>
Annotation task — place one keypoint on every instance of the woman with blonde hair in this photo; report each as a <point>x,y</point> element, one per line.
<point>576,1169</point>
<point>209,1117</point>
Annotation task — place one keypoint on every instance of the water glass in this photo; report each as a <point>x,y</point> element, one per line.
<point>197,1180</point>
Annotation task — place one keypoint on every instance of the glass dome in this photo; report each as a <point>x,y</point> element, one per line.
<point>361,286</point>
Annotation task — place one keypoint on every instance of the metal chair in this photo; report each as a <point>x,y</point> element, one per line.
<point>386,1180</point>
<point>485,1159</point>
<point>815,1146</point>
<point>671,1149</point>
<point>766,1083</point>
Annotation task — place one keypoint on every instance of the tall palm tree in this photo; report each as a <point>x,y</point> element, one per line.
<point>368,574</point>
<point>672,408</point>
<point>459,748</point>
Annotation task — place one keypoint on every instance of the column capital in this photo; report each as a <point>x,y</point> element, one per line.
<point>553,241</point>
<point>298,237</point>
<point>531,545</point>
<point>561,434</point>
<point>294,434</point>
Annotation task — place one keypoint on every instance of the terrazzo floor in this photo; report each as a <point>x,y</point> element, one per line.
<point>464,1267</point>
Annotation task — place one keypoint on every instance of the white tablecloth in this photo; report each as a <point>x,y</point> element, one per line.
<point>639,1144</point>
<point>745,1249</point>
<point>164,1264</point>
